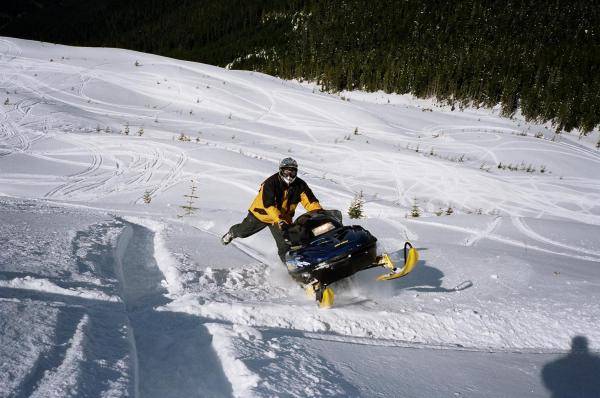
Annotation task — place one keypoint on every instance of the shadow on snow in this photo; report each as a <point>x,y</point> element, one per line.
<point>575,375</point>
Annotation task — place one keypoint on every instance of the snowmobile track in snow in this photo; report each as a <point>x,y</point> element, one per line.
<point>174,356</point>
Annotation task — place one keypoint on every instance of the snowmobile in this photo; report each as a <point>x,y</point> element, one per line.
<point>323,251</point>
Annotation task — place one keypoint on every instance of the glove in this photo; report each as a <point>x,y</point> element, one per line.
<point>283,225</point>
<point>284,228</point>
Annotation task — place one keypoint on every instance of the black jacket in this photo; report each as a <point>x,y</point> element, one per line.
<point>276,201</point>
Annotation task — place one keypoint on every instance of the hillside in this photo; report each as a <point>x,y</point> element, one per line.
<point>103,294</point>
<point>540,58</point>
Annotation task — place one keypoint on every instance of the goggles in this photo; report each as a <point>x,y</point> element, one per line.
<point>288,172</point>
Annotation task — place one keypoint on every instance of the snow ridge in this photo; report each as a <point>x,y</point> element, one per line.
<point>241,378</point>
<point>63,380</point>
<point>44,285</point>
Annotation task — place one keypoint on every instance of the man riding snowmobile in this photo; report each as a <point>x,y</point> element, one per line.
<point>317,248</point>
<point>274,206</point>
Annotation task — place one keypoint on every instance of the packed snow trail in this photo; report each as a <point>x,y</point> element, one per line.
<point>103,333</point>
<point>175,357</point>
<point>64,329</point>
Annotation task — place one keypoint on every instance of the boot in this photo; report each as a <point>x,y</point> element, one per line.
<point>227,238</point>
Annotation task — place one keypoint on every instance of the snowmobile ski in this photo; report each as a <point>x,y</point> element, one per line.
<point>411,257</point>
<point>325,298</point>
<point>322,294</point>
<point>311,289</point>
<point>386,262</point>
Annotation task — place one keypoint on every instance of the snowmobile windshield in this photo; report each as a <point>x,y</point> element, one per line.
<point>312,224</point>
<point>321,229</point>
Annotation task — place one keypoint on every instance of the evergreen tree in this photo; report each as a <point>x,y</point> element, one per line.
<point>189,207</point>
<point>356,206</point>
<point>541,57</point>
<point>415,211</point>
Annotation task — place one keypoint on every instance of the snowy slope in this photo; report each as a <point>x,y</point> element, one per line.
<point>102,294</point>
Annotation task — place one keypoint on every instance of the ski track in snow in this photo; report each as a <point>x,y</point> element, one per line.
<point>88,183</point>
<point>514,242</point>
<point>523,227</point>
<point>483,234</point>
<point>241,124</point>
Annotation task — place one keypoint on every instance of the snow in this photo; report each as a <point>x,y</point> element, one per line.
<point>102,294</point>
<point>44,285</point>
<point>63,379</point>
<point>242,380</point>
<point>165,263</point>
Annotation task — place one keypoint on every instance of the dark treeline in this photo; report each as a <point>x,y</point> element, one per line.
<point>210,31</point>
<point>541,56</point>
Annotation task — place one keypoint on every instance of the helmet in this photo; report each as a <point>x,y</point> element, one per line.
<point>288,163</point>
<point>288,170</point>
